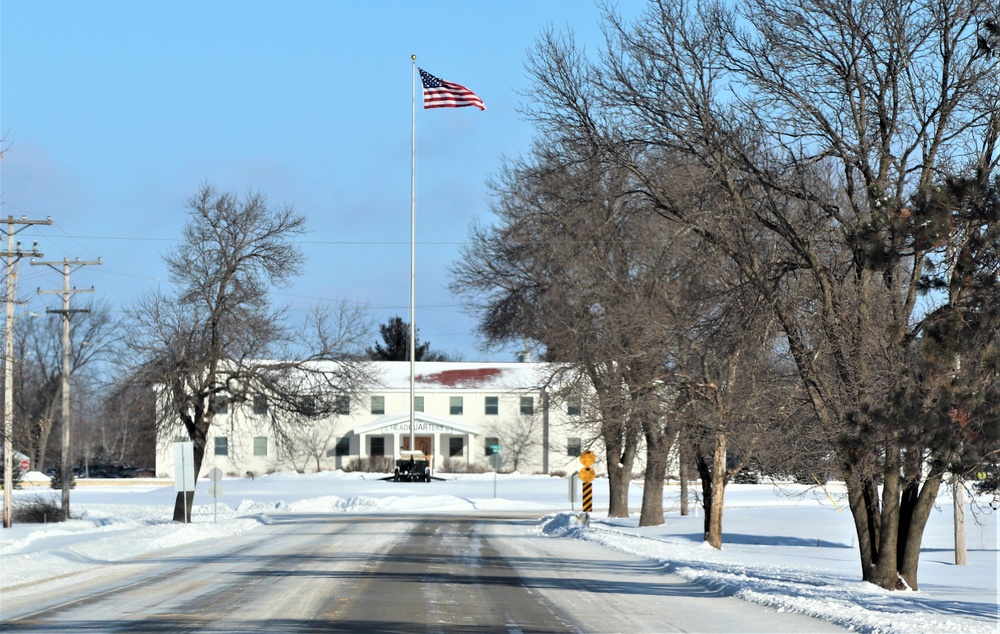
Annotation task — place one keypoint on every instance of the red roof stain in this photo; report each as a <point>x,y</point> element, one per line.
<point>468,378</point>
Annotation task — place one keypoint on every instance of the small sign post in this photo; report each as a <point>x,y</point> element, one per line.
<point>215,490</point>
<point>497,461</point>
<point>587,474</point>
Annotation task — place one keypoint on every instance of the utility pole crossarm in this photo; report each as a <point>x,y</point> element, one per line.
<point>66,266</point>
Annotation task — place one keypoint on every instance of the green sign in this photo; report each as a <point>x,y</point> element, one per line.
<point>495,447</point>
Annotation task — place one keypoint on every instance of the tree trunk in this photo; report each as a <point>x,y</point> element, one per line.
<point>618,484</point>
<point>44,430</point>
<point>657,448</point>
<point>890,530</point>
<point>919,511</point>
<point>885,571</point>
<point>713,486</point>
<point>714,512</point>
<point>652,490</point>
<point>705,473</point>
<point>620,457</point>
<point>683,474</point>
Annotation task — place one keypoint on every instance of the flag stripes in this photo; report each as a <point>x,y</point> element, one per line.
<point>439,93</point>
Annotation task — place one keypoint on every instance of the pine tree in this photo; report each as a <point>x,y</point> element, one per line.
<point>959,344</point>
<point>57,479</point>
<point>396,337</point>
<point>16,475</point>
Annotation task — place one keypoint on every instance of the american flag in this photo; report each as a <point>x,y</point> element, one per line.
<point>439,93</point>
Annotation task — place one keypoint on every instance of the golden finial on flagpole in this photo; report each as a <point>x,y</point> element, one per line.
<point>413,57</point>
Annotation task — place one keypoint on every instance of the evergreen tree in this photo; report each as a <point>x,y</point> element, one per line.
<point>16,476</point>
<point>57,478</point>
<point>396,337</point>
<point>958,367</point>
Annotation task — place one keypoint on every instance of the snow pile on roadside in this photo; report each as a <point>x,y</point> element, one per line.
<point>791,548</point>
<point>857,605</point>
<point>94,540</point>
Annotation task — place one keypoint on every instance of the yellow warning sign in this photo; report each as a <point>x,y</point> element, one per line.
<point>587,458</point>
<point>587,474</point>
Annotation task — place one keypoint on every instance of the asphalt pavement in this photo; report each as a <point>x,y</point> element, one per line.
<point>386,573</point>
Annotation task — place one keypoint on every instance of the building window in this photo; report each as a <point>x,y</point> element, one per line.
<point>527,405</point>
<point>260,445</point>
<point>221,446</point>
<point>573,446</point>
<point>456,447</point>
<point>418,403</point>
<point>573,406</point>
<point>343,446</point>
<point>378,446</point>
<point>378,405</point>
<point>259,404</point>
<point>491,442</point>
<point>456,406</point>
<point>221,405</point>
<point>342,405</point>
<point>492,405</point>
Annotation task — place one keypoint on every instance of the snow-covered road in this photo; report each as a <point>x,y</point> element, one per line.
<point>400,573</point>
<point>788,548</point>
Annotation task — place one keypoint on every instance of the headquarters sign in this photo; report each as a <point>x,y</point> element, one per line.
<point>418,426</point>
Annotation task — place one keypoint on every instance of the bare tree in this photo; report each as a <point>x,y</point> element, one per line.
<point>216,341</point>
<point>733,396</point>
<point>38,378</point>
<point>520,437</point>
<point>578,266</point>
<point>311,440</point>
<point>126,425</point>
<point>823,125</point>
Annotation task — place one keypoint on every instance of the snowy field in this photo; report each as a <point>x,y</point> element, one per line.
<point>790,548</point>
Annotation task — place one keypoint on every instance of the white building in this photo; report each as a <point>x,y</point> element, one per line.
<point>463,413</point>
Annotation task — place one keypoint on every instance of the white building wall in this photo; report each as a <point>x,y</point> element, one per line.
<point>239,426</point>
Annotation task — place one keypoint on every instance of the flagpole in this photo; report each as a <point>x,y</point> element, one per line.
<point>413,243</point>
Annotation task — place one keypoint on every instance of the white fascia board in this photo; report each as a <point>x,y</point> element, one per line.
<point>398,423</point>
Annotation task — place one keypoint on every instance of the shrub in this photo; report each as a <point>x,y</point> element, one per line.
<point>558,473</point>
<point>37,509</point>
<point>56,482</point>
<point>461,466</point>
<point>372,464</point>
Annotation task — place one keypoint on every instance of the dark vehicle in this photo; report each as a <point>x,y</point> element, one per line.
<point>413,466</point>
<point>139,472</point>
<point>105,471</point>
<point>51,471</point>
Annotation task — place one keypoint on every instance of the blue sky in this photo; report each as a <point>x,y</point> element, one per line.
<point>115,112</point>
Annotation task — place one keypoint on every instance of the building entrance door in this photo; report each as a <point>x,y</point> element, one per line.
<point>423,444</point>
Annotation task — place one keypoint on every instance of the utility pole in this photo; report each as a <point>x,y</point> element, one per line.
<point>67,267</point>
<point>13,254</point>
